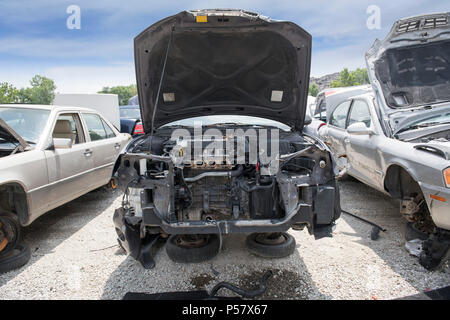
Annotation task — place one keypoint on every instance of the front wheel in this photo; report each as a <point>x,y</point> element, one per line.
<point>271,245</point>
<point>15,258</point>
<point>189,248</point>
<point>10,232</point>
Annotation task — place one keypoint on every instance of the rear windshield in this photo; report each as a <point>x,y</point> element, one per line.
<point>415,75</point>
<point>130,113</point>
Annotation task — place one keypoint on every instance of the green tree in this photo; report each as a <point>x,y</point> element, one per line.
<point>361,76</point>
<point>313,89</point>
<point>124,92</point>
<point>351,78</point>
<point>42,91</point>
<point>8,93</point>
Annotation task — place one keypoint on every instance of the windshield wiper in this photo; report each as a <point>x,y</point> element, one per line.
<point>423,125</point>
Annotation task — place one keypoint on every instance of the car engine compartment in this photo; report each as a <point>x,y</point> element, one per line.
<point>153,177</point>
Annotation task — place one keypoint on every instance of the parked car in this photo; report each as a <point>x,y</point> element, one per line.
<point>234,71</point>
<point>50,155</point>
<point>329,98</point>
<point>106,104</point>
<point>130,120</point>
<point>397,138</point>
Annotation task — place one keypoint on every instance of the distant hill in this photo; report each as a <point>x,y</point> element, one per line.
<point>324,81</point>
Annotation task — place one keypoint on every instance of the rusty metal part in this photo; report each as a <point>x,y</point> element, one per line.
<point>192,240</point>
<point>270,238</point>
<point>113,183</point>
<point>408,208</point>
<point>3,239</point>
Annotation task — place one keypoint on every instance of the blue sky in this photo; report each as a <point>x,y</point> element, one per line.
<point>34,38</point>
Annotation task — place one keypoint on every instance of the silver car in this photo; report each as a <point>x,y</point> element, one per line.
<point>312,124</point>
<point>49,156</point>
<point>397,138</point>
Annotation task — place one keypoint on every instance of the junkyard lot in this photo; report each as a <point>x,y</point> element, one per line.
<point>75,256</point>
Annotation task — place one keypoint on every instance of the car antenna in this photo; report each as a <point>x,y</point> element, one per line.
<point>160,83</point>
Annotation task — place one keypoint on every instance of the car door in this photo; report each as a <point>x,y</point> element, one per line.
<point>335,133</point>
<point>361,148</point>
<point>70,169</point>
<point>105,145</point>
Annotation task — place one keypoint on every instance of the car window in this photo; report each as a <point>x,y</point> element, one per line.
<point>28,123</point>
<point>68,126</point>
<point>95,126</point>
<point>360,113</point>
<point>339,115</point>
<point>109,132</point>
<point>130,113</point>
<point>321,107</point>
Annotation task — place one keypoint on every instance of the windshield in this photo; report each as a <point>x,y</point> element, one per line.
<point>416,75</point>
<point>130,113</point>
<point>229,119</point>
<point>436,120</point>
<point>28,123</point>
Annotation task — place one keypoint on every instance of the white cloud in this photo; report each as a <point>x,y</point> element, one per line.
<point>74,79</point>
<point>87,79</point>
<point>342,23</point>
<point>66,47</point>
<point>334,60</point>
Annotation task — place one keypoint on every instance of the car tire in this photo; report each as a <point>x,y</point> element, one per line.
<point>14,259</point>
<point>195,254</point>
<point>9,224</point>
<point>412,232</point>
<point>271,251</point>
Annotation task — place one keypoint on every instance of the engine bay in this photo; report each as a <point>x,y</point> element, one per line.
<point>152,174</point>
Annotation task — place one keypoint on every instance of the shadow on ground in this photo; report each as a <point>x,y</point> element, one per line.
<point>290,280</point>
<point>57,225</point>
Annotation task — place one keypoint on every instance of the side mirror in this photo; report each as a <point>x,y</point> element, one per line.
<point>359,128</point>
<point>61,143</point>
<point>308,119</point>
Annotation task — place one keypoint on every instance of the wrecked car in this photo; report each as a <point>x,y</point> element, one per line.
<point>244,78</point>
<point>50,155</point>
<point>396,139</point>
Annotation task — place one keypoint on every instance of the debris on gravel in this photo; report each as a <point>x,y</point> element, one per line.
<point>75,256</point>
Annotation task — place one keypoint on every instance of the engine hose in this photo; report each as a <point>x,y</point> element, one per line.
<point>242,292</point>
<point>231,173</point>
<point>247,188</point>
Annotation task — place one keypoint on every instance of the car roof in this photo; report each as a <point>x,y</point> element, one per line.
<point>46,107</point>
<point>368,95</point>
<point>129,106</point>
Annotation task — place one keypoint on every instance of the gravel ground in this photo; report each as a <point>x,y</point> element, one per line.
<point>75,256</point>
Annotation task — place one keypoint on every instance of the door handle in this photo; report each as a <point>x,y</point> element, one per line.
<point>88,152</point>
<point>347,140</point>
<point>117,146</point>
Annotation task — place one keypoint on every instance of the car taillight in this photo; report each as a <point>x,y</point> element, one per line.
<point>447,177</point>
<point>138,129</point>
<point>321,125</point>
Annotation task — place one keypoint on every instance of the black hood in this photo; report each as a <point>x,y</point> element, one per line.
<point>8,134</point>
<point>223,62</point>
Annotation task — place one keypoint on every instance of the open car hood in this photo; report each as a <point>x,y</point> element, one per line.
<point>409,69</point>
<point>7,133</point>
<point>223,62</point>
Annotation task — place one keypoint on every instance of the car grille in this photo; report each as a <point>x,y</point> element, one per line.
<point>424,23</point>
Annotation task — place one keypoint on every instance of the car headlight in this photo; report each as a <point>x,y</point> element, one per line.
<point>447,177</point>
